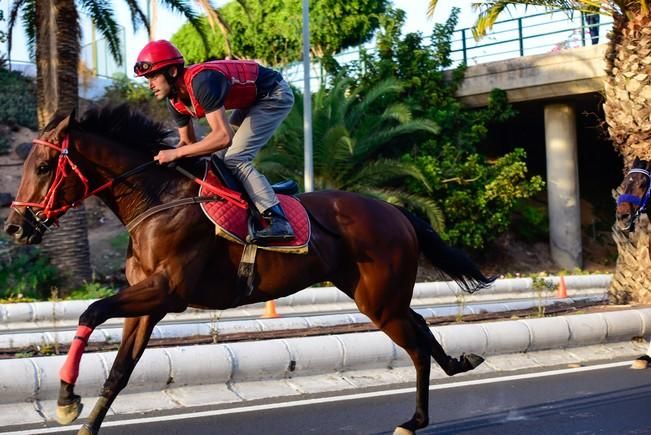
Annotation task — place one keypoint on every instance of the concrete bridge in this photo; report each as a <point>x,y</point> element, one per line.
<point>553,82</point>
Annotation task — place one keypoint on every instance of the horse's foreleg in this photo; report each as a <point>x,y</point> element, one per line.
<point>149,297</point>
<point>451,366</point>
<point>135,337</point>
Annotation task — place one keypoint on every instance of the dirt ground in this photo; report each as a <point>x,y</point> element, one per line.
<point>507,256</point>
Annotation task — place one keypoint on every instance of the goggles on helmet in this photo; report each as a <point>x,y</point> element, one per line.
<point>145,67</point>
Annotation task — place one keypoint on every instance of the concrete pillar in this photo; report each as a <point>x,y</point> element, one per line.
<point>563,186</point>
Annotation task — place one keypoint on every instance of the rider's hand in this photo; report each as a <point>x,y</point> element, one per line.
<point>166,156</point>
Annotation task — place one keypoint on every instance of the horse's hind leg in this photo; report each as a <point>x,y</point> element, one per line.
<point>384,298</point>
<point>406,334</point>
<point>451,366</point>
<point>410,331</point>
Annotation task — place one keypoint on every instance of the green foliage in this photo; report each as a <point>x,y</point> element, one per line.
<point>120,242</point>
<point>25,273</point>
<point>18,96</point>
<point>138,95</point>
<point>254,30</point>
<point>530,222</point>
<point>101,14</point>
<point>351,132</point>
<point>92,290</point>
<point>477,196</point>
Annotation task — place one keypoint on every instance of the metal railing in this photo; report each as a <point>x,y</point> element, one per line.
<point>533,34</point>
<point>96,57</point>
<point>546,32</point>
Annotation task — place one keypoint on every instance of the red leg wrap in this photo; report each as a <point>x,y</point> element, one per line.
<point>70,369</point>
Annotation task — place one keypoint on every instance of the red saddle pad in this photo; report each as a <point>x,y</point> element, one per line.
<point>231,221</point>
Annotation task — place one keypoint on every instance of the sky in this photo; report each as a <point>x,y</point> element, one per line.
<point>170,23</point>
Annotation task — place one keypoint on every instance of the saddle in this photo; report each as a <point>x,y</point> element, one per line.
<point>239,225</point>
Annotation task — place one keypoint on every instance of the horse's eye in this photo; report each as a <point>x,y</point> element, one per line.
<point>43,169</point>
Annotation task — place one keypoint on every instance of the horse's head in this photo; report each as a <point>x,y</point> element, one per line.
<point>634,191</point>
<point>51,183</point>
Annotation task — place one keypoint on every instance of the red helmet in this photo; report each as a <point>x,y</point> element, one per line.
<point>156,55</point>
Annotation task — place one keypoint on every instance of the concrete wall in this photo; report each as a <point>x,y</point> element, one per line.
<point>561,74</point>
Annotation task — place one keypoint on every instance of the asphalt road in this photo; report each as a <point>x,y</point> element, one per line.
<point>612,400</point>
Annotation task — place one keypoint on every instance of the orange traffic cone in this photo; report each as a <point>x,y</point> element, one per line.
<point>562,290</point>
<point>269,310</point>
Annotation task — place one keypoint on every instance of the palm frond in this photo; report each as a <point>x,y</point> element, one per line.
<point>399,112</point>
<point>376,136</point>
<point>490,10</point>
<point>101,13</point>
<point>215,18</point>
<point>431,7</point>
<point>383,171</point>
<point>425,205</point>
<point>29,24</point>
<point>183,7</point>
<point>383,88</point>
<point>137,16</point>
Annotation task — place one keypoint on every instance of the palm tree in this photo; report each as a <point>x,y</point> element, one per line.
<point>52,27</point>
<point>350,146</point>
<point>627,110</point>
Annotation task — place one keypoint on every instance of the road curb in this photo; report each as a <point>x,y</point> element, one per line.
<point>316,299</point>
<point>233,372</point>
<point>112,334</point>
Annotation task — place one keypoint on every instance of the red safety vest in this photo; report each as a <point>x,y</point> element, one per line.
<point>241,74</point>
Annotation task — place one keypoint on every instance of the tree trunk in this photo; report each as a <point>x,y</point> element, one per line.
<point>632,279</point>
<point>57,59</point>
<point>628,115</point>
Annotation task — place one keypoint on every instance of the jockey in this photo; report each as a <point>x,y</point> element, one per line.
<point>261,99</point>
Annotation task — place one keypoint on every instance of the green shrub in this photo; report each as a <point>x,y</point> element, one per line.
<point>531,222</point>
<point>92,290</point>
<point>120,242</point>
<point>138,95</point>
<point>25,273</point>
<point>18,96</point>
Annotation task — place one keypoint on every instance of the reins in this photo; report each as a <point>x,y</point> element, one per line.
<point>65,167</point>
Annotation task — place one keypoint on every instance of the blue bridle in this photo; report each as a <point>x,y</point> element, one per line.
<point>634,199</point>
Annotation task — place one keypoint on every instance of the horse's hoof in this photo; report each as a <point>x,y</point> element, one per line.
<point>66,414</point>
<point>472,361</point>
<point>639,364</point>
<point>86,430</point>
<point>402,431</point>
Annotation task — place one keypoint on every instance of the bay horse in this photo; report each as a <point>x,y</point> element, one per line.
<point>365,247</point>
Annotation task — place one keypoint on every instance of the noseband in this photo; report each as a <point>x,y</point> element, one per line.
<point>640,202</point>
<point>46,213</point>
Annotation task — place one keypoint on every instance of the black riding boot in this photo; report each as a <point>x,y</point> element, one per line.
<point>278,228</point>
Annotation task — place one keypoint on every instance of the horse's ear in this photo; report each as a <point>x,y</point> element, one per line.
<point>62,128</point>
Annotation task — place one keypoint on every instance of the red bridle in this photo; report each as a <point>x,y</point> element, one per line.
<point>65,167</point>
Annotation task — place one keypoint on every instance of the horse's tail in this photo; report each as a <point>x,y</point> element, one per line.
<point>453,262</point>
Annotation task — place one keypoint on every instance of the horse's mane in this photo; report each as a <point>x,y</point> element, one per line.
<point>126,126</point>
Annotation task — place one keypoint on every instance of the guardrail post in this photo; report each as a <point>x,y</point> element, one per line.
<point>583,29</point>
<point>520,36</point>
<point>463,45</point>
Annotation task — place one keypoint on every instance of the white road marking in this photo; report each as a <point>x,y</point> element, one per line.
<point>255,408</point>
